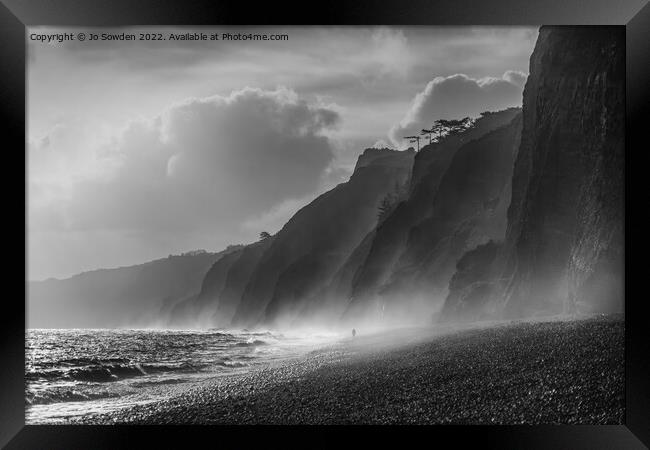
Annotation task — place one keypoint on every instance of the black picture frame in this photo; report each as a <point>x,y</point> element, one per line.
<point>15,15</point>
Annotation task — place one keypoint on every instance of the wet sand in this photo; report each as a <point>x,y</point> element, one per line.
<point>542,372</point>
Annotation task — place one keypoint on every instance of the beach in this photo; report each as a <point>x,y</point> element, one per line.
<point>520,372</point>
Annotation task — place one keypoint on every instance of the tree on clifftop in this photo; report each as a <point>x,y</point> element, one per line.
<point>264,235</point>
<point>454,126</point>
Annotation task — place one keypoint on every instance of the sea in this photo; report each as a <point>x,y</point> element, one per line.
<point>72,373</point>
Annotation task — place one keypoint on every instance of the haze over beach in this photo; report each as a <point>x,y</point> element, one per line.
<point>219,229</point>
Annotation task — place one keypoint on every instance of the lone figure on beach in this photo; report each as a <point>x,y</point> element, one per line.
<point>354,332</point>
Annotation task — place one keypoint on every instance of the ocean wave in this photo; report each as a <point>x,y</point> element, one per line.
<point>51,374</point>
<point>158,382</point>
<point>172,367</point>
<point>231,364</point>
<point>110,372</point>
<point>91,361</point>
<point>65,395</point>
<point>250,343</point>
<point>214,333</point>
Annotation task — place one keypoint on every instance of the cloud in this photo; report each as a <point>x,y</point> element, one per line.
<point>109,189</point>
<point>389,53</point>
<point>382,144</point>
<point>203,164</point>
<point>515,77</point>
<point>458,96</point>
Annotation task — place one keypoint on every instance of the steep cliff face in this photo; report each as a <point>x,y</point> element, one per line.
<point>564,243</point>
<point>317,240</point>
<point>392,236</point>
<point>566,228</point>
<point>474,284</point>
<point>213,305</point>
<point>235,282</point>
<point>138,295</point>
<point>328,305</point>
<point>414,255</point>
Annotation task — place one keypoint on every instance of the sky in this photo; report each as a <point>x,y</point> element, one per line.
<point>141,149</point>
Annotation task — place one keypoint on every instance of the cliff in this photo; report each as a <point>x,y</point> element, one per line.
<point>221,289</point>
<point>563,250</point>
<point>458,199</point>
<point>201,309</point>
<point>307,252</point>
<point>567,231</point>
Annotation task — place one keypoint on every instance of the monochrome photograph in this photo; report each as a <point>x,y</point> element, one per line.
<point>325,225</point>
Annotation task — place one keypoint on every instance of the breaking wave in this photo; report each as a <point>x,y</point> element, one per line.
<point>250,343</point>
<point>65,395</point>
<point>100,371</point>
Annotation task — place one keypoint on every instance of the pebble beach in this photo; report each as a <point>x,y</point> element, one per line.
<point>529,372</point>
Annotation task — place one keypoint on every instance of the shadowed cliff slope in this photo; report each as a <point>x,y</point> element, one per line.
<point>564,246</point>
<point>316,241</point>
<point>459,203</point>
<point>429,167</point>
<point>221,289</point>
